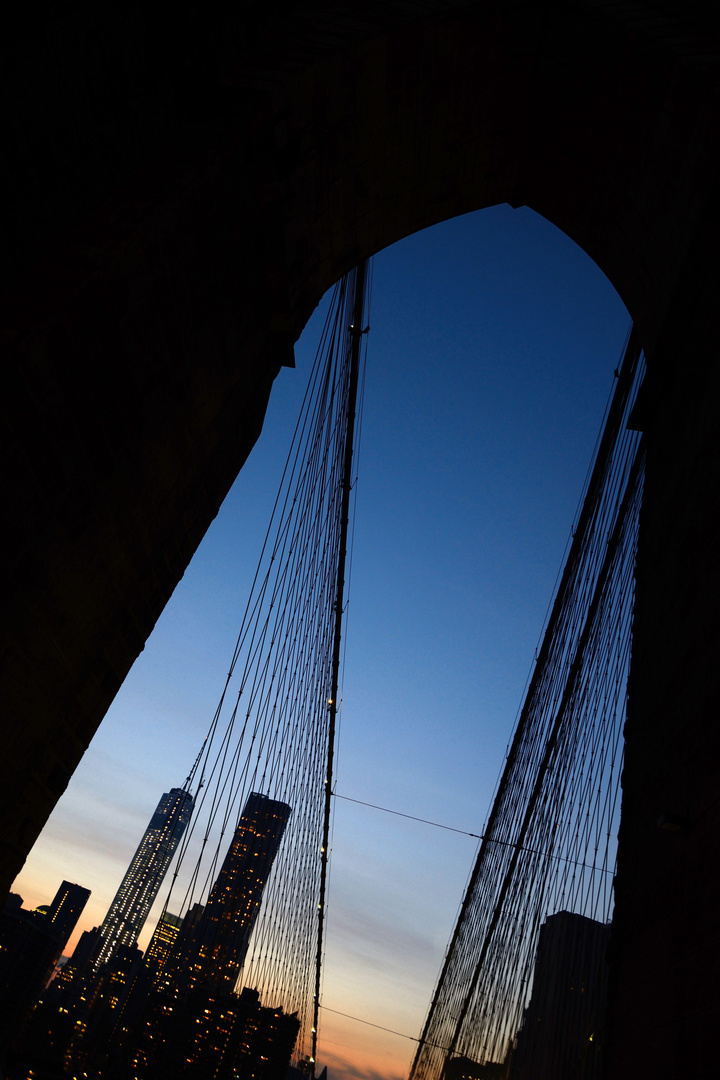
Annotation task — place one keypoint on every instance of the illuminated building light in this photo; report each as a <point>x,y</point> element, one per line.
<point>131,905</point>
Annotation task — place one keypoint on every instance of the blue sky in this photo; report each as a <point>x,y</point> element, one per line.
<point>491,354</point>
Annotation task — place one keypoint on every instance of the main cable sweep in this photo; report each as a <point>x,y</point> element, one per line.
<point>543,871</point>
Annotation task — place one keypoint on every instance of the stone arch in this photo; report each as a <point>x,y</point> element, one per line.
<point>183,193</point>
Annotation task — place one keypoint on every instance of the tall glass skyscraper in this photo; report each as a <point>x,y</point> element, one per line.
<point>133,900</point>
<point>224,928</point>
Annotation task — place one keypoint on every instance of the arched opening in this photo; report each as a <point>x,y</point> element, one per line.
<point>146,361</point>
<point>493,343</point>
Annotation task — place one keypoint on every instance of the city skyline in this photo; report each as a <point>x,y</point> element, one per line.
<point>31,943</point>
<point>467,599</point>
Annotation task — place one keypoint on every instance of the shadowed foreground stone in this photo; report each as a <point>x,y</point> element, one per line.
<point>180,189</point>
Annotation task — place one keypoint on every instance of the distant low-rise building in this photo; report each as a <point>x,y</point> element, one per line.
<point>31,943</point>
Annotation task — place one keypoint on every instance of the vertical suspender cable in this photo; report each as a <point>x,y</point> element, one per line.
<point>429,1035</point>
<point>572,680</point>
<point>355,338</point>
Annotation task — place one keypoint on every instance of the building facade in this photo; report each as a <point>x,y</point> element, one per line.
<point>162,942</point>
<point>133,900</point>
<point>224,929</point>
<point>66,909</point>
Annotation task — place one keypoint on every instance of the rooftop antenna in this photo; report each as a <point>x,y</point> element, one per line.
<point>191,774</point>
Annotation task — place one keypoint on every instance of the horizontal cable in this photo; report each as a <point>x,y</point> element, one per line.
<point>451,828</point>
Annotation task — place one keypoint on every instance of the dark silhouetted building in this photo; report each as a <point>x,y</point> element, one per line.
<point>133,900</point>
<point>31,943</point>
<point>86,947</point>
<point>211,1036</point>
<point>561,1034</point>
<point>463,1068</point>
<point>66,909</point>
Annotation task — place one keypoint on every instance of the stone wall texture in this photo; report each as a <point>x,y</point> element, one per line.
<point>180,186</point>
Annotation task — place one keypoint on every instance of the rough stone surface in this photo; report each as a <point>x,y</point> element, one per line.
<point>181,185</point>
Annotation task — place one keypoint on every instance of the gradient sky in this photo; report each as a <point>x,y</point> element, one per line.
<point>491,354</point>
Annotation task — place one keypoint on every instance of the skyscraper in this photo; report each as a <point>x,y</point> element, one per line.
<point>224,929</point>
<point>162,942</point>
<point>65,910</point>
<point>133,900</point>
